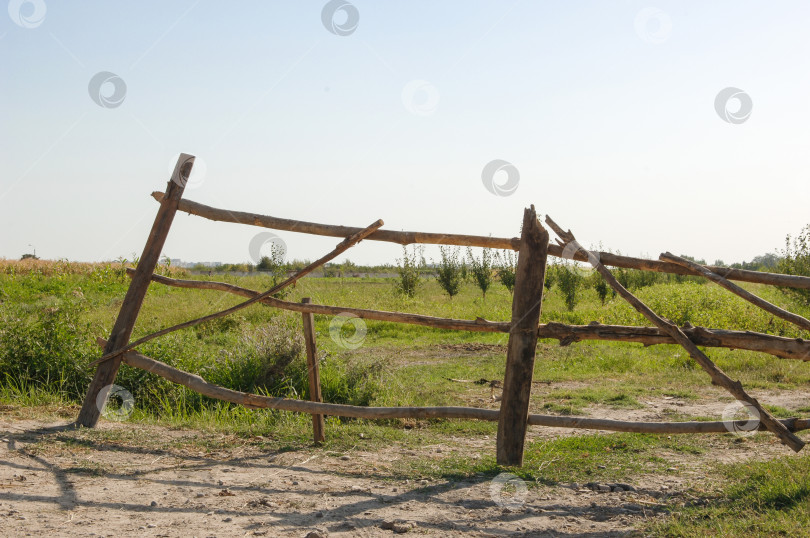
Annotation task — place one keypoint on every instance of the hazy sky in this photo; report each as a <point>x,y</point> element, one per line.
<point>608,111</point>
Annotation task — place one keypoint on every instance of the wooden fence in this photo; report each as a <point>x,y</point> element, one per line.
<point>524,329</point>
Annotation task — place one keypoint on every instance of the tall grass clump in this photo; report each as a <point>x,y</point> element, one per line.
<point>46,347</point>
<point>270,360</point>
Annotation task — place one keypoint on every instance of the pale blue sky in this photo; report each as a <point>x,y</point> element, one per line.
<point>610,122</point>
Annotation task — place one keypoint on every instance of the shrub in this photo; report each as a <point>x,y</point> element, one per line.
<point>449,271</point>
<point>551,274</point>
<point>569,280</point>
<point>507,264</point>
<point>796,261</point>
<point>597,282</point>
<point>273,362</point>
<point>409,268</point>
<point>261,360</point>
<point>465,271</point>
<point>330,270</point>
<point>481,269</point>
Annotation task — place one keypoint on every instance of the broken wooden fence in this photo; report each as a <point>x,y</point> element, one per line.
<point>524,329</point>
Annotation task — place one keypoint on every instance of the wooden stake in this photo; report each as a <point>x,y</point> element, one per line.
<point>314,373</point>
<point>717,375</point>
<point>125,322</point>
<point>526,303</point>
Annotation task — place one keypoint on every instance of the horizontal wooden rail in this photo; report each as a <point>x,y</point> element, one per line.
<point>255,401</point>
<point>407,238</point>
<point>478,325</point>
<point>779,346</point>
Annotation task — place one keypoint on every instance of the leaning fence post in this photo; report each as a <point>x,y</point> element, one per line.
<point>314,374</point>
<point>125,322</point>
<point>526,303</point>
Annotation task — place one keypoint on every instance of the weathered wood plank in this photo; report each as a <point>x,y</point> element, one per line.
<point>318,426</point>
<point>526,303</point>
<point>513,243</point>
<point>131,306</point>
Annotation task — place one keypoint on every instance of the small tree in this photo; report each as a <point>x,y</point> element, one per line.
<point>409,269</point>
<point>330,270</point>
<point>507,264</point>
<point>449,271</point>
<point>481,269</point>
<point>599,285</point>
<point>267,265</point>
<point>348,268</point>
<point>273,265</point>
<point>551,275</point>
<point>569,280</point>
<point>796,261</point>
<point>464,271</point>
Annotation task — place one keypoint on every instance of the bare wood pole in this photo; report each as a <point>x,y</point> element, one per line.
<point>255,401</point>
<point>318,426</point>
<point>526,303</point>
<point>771,308</point>
<point>778,346</point>
<point>125,322</point>
<point>342,247</point>
<point>717,375</point>
<point>513,243</point>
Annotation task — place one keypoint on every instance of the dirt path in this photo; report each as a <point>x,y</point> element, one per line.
<point>83,487</point>
<point>128,479</point>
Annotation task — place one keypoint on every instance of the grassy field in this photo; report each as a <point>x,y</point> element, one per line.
<point>50,318</point>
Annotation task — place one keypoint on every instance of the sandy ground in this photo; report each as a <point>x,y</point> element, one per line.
<point>243,492</point>
<point>154,481</point>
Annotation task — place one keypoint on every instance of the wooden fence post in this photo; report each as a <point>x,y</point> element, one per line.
<point>526,304</point>
<point>314,374</point>
<point>131,306</point>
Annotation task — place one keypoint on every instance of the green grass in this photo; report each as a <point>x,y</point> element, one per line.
<point>769,498</point>
<point>48,326</point>
<point>580,458</point>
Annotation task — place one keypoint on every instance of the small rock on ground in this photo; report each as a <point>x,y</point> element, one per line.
<point>398,526</point>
